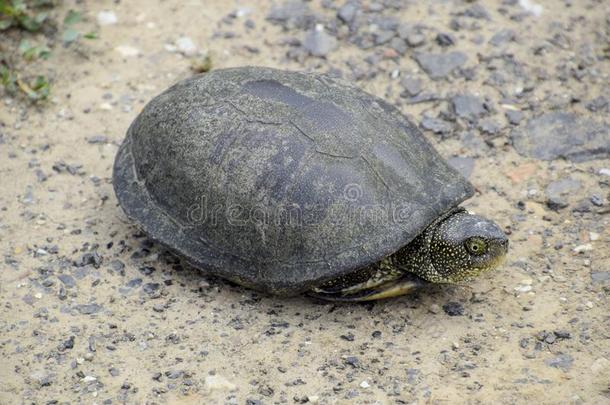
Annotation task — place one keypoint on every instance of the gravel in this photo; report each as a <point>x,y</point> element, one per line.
<point>440,65</point>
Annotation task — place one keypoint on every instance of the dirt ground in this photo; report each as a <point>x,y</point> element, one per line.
<point>93,312</point>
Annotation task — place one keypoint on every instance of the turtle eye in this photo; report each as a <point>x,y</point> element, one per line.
<point>476,246</point>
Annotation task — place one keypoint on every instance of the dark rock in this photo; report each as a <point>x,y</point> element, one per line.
<point>562,334</point>
<point>489,126</point>
<point>67,280</point>
<point>318,43</point>
<point>444,39</point>
<point>440,65</point>
<point>411,85</point>
<point>151,288</point>
<point>349,337</point>
<point>563,135</point>
<point>291,14</point>
<point>599,104</point>
<point>597,200</point>
<point>436,125</point>
<point>514,117</point>
<point>468,107</point>
<point>476,11</point>
<point>352,361</point>
<point>347,12</point>
<point>147,270</point>
<point>114,372</point>
<point>136,282</point>
<point>453,308</point>
<point>67,345</point>
<point>173,374</point>
<point>88,309</point>
<point>383,36</point>
<point>90,258</point>
<point>464,165</point>
<point>415,39</point>
<point>399,45</point>
<point>562,361</point>
<point>557,191</point>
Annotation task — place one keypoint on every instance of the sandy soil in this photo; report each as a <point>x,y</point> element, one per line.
<point>92,312</point>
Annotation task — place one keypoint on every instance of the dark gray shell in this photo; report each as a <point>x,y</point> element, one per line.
<point>280,180</point>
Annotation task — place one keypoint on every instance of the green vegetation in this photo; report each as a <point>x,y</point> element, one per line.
<point>25,18</point>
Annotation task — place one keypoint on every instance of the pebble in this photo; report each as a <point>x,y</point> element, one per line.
<point>106,18</point>
<point>364,384</point>
<point>440,65</point>
<point>453,308</point>
<point>186,46</point>
<point>561,134</point>
<point>127,51</point>
<point>557,192</point>
<point>562,361</point>
<point>436,125</point>
<point>347,12</point>
<point>514,117</point>
<point>501,37</point>
<point>468,107</point>
<point>218,383</point>
<point>42,378</point>
<point>291,14</point>
<point>318,43</point>
<point>88,309</point>
<point>412,86</point>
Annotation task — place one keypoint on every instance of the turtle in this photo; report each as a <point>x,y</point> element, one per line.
<point>295,183</point>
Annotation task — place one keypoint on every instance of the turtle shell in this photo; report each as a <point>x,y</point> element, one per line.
<point>280,180</point>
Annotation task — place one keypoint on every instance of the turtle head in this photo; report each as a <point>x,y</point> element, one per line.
<point>462,246</point>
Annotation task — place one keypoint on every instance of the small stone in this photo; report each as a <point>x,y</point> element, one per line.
<point>364,384</point>
<point>514,117</point>
<point>67,280</point>
<point>562,135</point>
<point>88,309</point>
<point>318,43</point>
<point>453,308</point>
<point>415,39</point>
<point>218,383</point>
<point>468,107</point>
<point>411,85</point>
<point>186,46</point>
<point>106,18</point>
<point>352,361</point>
<point>90,258</point>
<point>291,14</point>
<point>445,39</point>
<point>127,51</point>
<point>41,378</point>
<point>436,125</point>
<point>502,37</point>
<point>440,65</point>
<point>562,361</point>
<point>557,192</point>
<point>347,12</point>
